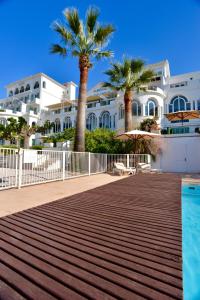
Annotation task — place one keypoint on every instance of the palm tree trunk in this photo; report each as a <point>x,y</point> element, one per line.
<point>79,144</point>
<point>26,142</point>
<point>128,110</point>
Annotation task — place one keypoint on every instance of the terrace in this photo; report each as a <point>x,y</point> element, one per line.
<point>121,240</point>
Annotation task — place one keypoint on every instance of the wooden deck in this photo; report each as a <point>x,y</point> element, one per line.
<point>118,241</point>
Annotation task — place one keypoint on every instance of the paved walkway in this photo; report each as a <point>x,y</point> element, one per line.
<point>15,200</point>
<point>117,241</point>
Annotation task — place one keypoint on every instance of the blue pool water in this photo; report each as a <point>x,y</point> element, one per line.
<point>191,241</point>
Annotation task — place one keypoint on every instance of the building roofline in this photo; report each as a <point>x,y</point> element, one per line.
<point>185,74</point>
<point>36,75</point>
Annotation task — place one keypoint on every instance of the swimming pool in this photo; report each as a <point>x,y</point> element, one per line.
<point>191,241</point>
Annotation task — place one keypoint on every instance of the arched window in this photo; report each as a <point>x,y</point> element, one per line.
<point>21,89</point>
<point>27,87</point>
<point>179,103</point>
<point>121,111</point>
<point>10,93</point>
<point>67,123</point>
<point>33,124</point>
<point>44,84</point>
<point>16,91</point>
<point>3,121</point>
<point>47,126</point>
<point>56,127</point>
<point>91,122</point>
<point>136,108</point>
<point>36,85</point>
<point>151,108</point>
<point>105,120</point>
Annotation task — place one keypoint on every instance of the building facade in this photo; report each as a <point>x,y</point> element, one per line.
<point>39,98</point>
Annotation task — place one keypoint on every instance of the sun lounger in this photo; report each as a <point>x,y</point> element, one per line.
<point>120,169</point>
<point>143,168</point>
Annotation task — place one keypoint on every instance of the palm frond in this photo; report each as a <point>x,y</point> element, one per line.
<point>75,53</point>
<point>65,35</point>
<point>91,18</point>
<point>103,33</point>
<point>73,19</point>
<point>146,76</point>
<point>104,54</point>
<point>56,48</point>
<point>109,85</point>
<point>137,65</point>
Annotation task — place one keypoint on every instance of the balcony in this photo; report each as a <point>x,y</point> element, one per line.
<point>156,90</point>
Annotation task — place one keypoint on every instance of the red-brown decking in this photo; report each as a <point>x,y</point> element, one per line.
<point>118,241</point>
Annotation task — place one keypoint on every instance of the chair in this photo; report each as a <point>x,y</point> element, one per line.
<point>120,169</point>
<point>143,168</point>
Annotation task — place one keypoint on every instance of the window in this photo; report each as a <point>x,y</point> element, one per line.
<point>121,112</point>
<point>67,123</point>
<point>27,87</point>
<point>179,103</point>
<point>198,104</point>
<point>180,130</point>
<point>105,120</point>
<point>3,121</point>
<point>156,78</point>
<point>56,126</point>
<point>178,84</point>
<point>136,108</point>
<point>21,89</point>
<point>91,122</point>
<point>90,105</point>
<point>44,84</point>
<point>36,85</point>
<point>151,108</point>
<point>10,93</point>
<point>16,91</point>
<point>26,98</point>
<point>68,109</point>
<point>104,102</point>
<point>37,95</point>
<point>57,111</point>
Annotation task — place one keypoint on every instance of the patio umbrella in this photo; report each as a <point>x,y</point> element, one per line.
<point>137,135</point>
<point>183,115</point>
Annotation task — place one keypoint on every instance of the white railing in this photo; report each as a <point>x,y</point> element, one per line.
<point>129,160</point>
<point>8,168</point>
<point>28,167</point>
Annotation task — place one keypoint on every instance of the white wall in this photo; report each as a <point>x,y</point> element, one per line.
<point>179,153</point>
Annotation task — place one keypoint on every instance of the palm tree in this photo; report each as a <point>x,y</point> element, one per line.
<point>128,76</point>
<point>85,40</point>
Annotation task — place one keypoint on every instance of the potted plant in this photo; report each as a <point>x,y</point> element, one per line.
<point>59,142</point>
<point>48,142</point>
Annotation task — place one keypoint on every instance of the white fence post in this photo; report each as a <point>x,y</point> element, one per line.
<point>106,168</point>
<point>20,160</point>
<point>149,159</point>
<point>63,165</point>
<point>89,164</point>
<point>127,160</point>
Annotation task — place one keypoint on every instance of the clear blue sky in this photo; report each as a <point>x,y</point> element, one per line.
<point>153,30</point>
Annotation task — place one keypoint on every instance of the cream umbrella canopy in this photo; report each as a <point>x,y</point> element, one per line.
<point>137,135</point>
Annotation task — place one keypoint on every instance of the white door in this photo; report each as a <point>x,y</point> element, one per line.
<point>174,156</point>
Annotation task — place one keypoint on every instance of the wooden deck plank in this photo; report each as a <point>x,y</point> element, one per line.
<point>118,241</point>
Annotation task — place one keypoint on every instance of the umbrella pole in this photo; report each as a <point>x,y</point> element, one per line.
<point>136,158</point>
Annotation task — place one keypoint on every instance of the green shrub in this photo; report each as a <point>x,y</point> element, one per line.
<point>37,147</point>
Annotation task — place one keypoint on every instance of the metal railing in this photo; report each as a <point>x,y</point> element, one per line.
<point>27,167</point>
<point>129,160</point>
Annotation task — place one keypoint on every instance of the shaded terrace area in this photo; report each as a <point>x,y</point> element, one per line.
<point>118,241</point>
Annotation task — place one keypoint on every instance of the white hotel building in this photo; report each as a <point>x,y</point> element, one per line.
<point>39,98</point>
